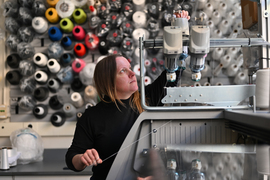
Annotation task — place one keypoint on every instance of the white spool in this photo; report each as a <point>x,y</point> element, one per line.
<point>147,63</point>
<point>215,3</point>
<point>217,163</point>
<point>65,8</point>
<point>222,9</point>
<point>53,66</point>
<point>53,84</point>
<point>240,60</point>
<point>211,26</point>
<point>90,93</point>
<point>59,119</point>
<point>240,78</point>
<point>262,88</point>
<point>224,26</point>
<point>225,60</point>
<point>100,58</point>
<point>87,73</point>
<point>217,53</point>
<point>211,173</point>
<point>138,5</point>
<point>140,32</point>
<point>234,34</point>
<point>216,18</point>
<point>219,84</point>
<point>197,84</point>
<point>200,4</point>
<point>147,80</point>
<point>232,70</point>
<point>237,9</point>
<point>77,99</point>
<point>230,3</point>
<point>40,59</point>
<point>80,3</point>
<point>217,34</point>
<point>139,19</point>
<point>206,84</point>
<point>69,110</point>
<point>88,105</point>
<point>232,51</point>
<point>40,111</point>
<point>136,55</point>
<point>208,9</point>
<point>238,25</point>
<point>41,76</point>
<point>217,70</point>
<point>40,24</point>
<point>137,70</point>
<point>231,18</point>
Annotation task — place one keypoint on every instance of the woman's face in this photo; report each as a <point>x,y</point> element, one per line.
<point>126,81</point>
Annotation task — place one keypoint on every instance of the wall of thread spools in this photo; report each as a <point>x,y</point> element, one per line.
<point>54,46</point>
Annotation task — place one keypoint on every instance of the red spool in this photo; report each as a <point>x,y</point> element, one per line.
<point>91,41</point>
<point>79,49</point>
<point>78,33</point>
<point>78,65</point>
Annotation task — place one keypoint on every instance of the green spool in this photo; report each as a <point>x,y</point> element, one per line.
<point>66,25</point>
<point>79,16</point>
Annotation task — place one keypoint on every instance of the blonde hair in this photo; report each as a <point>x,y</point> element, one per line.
<point>104,79</point>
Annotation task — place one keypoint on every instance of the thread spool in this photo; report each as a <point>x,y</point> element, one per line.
<point>41,77</point>
<point>80,3</point>
<point>232,70</point>
<point>231,18</point>
<point>197,84</point>
<point>200,4</point>
<point>52,3</point>
<point>211,25</point>
<point>80,50</point>
<point>140,32</point>
<point>55,50</point>
<point>240,78</point>
<point>27,68</point>
<point>66,25</point>
<point>93,22</point>
<point>147,80</point>
<point>40,25</point>
<point>139,19</point>
<point>233,34</point>
<point>78,65</point>
<point>208,9</point>
<point>27,103</point>
<point>215,3</point>
<point>217,33</point>
<point>90,93</point>
<point>77,99</point>
<point>137,69</point>
<point>224,26</point>
<point>65,75</point>
<point>67,43</point>
<point>53,85</point>
<point>240,60</point>
<point>13,60</point>
<point>87,73</point>
<point>69,110</point>
<point>53,66</point>
<point>4,164</point>
<point>217,53</point>
<point>41,93</point>
<point>13,77</point>
<point>138,5</point>
<point>77,85</point>
<point>55,33</point>
<point>66,59</point>
<point>262,88</point>
<point>54,103</point>
<point>40,59</point>
<point>232,51</point>
<point>103,47</point>
<point>78,33</point>
<point>91,41</point>
<point>216,17</point>
<point>79,16</point>
<point>103,28</point>
<point>58,119</point>
<point>217,69</point>
<point>65,8</point>
<point>222,9</point>
<point>225,60</point>
<point>88,105</point>
<point>40,111</point>
<point>79,115</point>
<point>27,85</point>
<point>52,15</point>
<point>136,55</point>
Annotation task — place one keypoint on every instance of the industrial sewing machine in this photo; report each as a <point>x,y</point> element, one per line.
<point>207,128</point>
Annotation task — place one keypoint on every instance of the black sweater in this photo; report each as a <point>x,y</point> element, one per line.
<point>104,128</point>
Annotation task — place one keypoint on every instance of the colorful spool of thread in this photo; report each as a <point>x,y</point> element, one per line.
<point>80,50</point>
<point>66,59</point>
<point>67,43</point>
<point>78,33</point>
<point>66,25</point>
<point>55,33</point>
<point>91,41</point>
<point>79,16</point>
<point>52,3</point>
<point>52,15</point>
<point>78,65</point>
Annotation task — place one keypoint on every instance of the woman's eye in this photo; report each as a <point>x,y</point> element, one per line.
<point>123,70</point>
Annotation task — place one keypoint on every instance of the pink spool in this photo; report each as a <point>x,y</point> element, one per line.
<point>78,65</point>
<point>78,33</point>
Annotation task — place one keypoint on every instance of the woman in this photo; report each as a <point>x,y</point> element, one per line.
<point>102,129</point>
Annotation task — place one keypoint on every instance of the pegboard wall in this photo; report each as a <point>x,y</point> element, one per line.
<point>112,25</point>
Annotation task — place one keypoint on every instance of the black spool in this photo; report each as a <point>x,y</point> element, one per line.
<point>13,77</point>
<point>13,60</point>
<point>37,111</point>
<point>55,120</point>
<point>54,103</point>
<point>41,93</point>
<point>77,85</point>
<point>103,47</point>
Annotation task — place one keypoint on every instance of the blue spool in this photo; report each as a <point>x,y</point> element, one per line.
<point>66,59</point>
<point>66,41</point>
<point>55,33</point>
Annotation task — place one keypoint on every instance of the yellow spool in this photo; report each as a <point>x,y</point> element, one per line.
<point>52,3</point>
<point>51,15</point>
<point>66,25</point>
<point>79,16</point>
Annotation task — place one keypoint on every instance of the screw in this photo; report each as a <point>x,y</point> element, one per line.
<point>154,130</point>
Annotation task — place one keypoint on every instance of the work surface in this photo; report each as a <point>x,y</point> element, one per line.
<point>53,164</point>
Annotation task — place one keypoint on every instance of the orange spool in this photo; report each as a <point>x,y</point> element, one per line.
<point>80,50</point>
<point>52,15</point>
<point>52,3</point>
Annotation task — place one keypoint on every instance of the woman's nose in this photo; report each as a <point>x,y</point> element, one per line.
<point>131,73</point>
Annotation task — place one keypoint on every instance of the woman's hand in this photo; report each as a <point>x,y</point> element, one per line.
<point>90,157</point>
<point>145,178</point>
<point>182,14</point>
